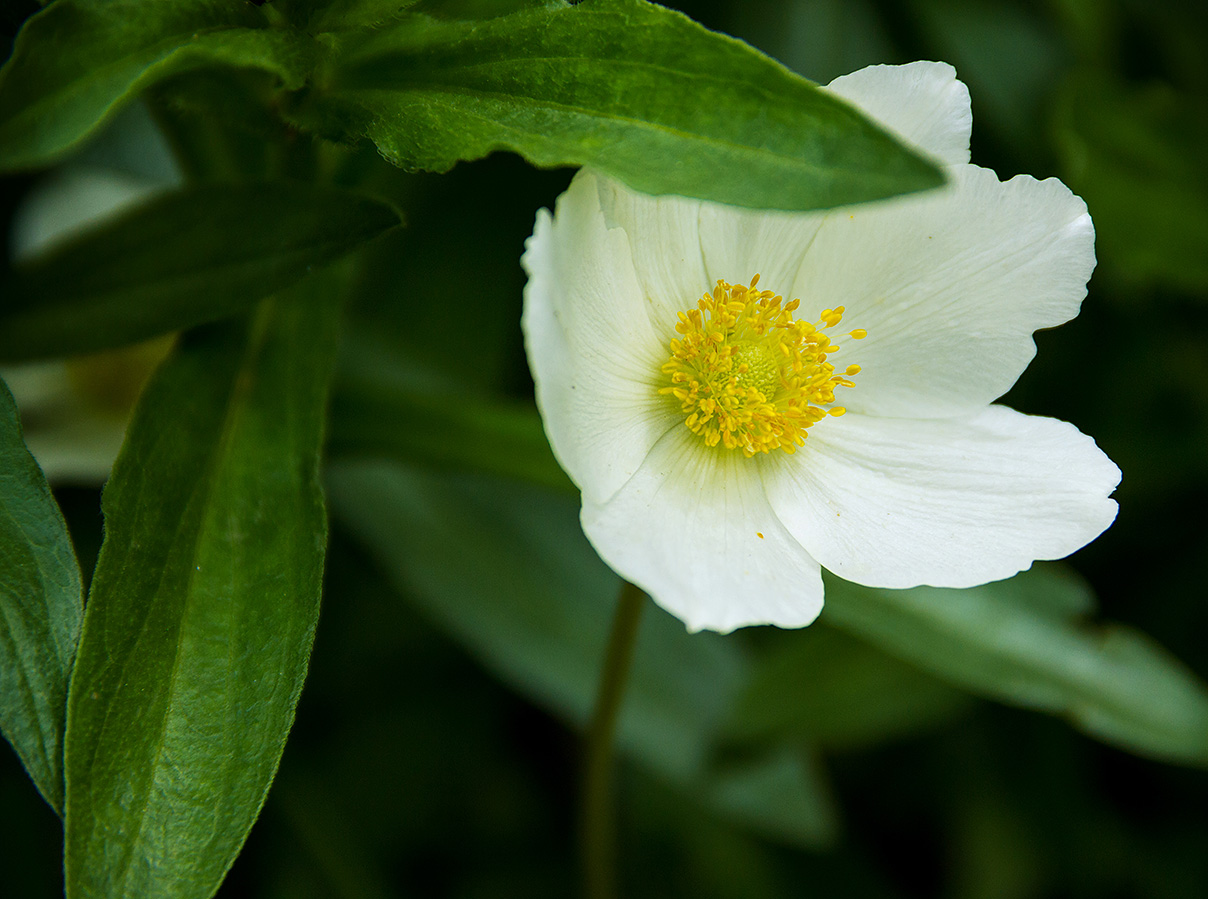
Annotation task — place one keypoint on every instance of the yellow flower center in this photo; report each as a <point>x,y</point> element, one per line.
<point>748,375</point>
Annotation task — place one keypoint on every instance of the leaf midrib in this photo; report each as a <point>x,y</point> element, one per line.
<point>241,387</point>
<point>641,124</point>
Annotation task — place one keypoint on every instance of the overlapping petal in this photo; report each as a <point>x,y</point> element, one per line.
<point>594,354</point>
<point>695,530</point>
<point>666,251</point>
<point>686,245</point>
<point>922,102</point>
<point>739,243</point>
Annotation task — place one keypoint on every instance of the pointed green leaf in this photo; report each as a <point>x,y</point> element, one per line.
<point>76,62</point>
<point>41,603</point>
<point>624,85</point>
<point>1017,641</point>
<point>199,625</point>
<point>505,569</point>
<point>195,255</point>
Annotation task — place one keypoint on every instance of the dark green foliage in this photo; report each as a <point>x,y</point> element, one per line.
<point>77,62</point>
<point>624,85</point>
<point>1018,641</point>
<point>893,749</point>
<point>1136,154</point>
<point>191,256</point>
<point>637,90</point>
<point>203,606</point>
<point>505,572</point>
<point>445,431</point>
<point>40,609</point>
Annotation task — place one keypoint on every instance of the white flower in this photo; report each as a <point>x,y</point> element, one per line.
<point>923,481</point>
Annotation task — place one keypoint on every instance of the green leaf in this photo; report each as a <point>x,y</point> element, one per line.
<point>76,62</point>
<point>482,9</point>
<point>340,15</point>
<point>41,603</point>
<point>1019,641</point>
<point>1137,156</point>
<point>820,684</point>
<point>188,257</point>
<point>202,612</point>
<point>632,88</point>
<point>505,570</point>
<point>443,430</point>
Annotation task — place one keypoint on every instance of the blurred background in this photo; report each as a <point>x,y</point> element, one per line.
<point>436,750</point>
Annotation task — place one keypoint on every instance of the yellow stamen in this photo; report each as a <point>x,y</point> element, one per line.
<point>749,376</point>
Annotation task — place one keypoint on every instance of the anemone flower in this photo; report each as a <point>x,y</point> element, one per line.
<point>744,397</point>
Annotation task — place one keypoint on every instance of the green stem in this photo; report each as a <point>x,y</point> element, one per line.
<point>598,821</point>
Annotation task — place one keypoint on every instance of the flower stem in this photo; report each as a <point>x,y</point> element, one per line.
<point>597,825</point>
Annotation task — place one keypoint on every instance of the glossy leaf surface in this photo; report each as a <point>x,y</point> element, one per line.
<point>202,612</point>
<point>76,62</point>
<point>635,89</point>
<point>41,604</point>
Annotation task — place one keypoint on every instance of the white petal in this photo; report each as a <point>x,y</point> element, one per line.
<point>695,531</point>
<point>594,356</point>
<point>921,102</point>
<point>950,503</point>
<point>738,244</point>
<point>950,287</point>
<point>682,247</point>
<point>665,241</point>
